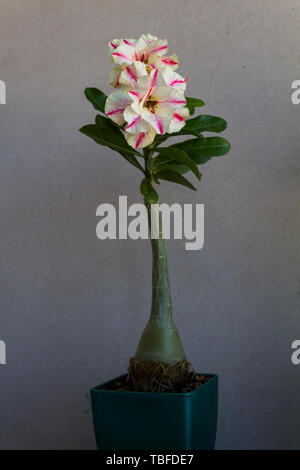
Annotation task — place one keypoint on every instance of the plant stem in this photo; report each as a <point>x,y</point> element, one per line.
<point>160,341</point>
<point>148,163</point>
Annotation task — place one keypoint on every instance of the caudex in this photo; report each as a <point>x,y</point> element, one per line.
<point>147,108</point>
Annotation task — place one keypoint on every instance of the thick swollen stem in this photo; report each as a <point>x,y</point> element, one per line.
<point>160,341</point>
<point>159,363</point>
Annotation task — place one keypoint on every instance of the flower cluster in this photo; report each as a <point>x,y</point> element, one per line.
<point>150,96</point>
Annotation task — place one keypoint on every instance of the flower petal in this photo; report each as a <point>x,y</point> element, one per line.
<point>124,54</point>
<point>140,140</point>
<point>112,45</point>
<point>148,38</point>
<point>178,120</point>
<point>135,123</point>
<point>171,61</point>
<point>114,76</point>
<point>159,120</point>
<point>160,46</point>
<point>161,62</point>
<point>115,105</point>
<point>173,79</point>
<point>131,74</point>
<point>169,96</point>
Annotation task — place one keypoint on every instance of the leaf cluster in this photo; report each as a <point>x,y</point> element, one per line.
<point>159,162</point>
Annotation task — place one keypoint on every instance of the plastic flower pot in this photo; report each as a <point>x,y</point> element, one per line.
<point>156,421</point>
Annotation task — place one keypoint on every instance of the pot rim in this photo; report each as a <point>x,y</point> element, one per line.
<point>166,394</point>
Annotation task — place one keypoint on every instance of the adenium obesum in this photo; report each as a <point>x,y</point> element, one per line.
<point>150,96</point>
<point>148,107</point>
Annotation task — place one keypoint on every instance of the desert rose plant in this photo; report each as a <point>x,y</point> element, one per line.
<point>148,107</point>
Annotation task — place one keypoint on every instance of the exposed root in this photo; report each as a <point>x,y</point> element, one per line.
<point>150,376</point>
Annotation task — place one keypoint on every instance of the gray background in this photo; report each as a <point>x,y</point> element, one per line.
<point>73,307</point>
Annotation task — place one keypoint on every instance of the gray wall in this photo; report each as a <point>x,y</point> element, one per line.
<point>73,307</point>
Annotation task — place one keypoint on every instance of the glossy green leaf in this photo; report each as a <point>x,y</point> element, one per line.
<point>205,123</point>
<point>203,150</point>
<point>192,103</point>
<point>148,191</point>
<point>96,97</point>
<point>104,133</point>
<point>180,156</point>
<point>171,175</point>
<point>181,169</point>
<point>105,123</point>
<point>162,162</point>
<point>92,131</point>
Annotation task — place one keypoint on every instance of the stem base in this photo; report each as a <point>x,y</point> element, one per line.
<point>159,344</point>
<point>148,376</point>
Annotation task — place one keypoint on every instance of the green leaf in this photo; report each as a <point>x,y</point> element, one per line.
<point>155,179</point>
<point>108,136</point>
<point>170,175</point>
<point>192,103</point>
<point>202,150</point>
<point>106,123</point>
<point>205,123</point>
<point>162,162</point>
<point>93,131</point>
<point>131,159</point>
<point>148,191</point>
<point>181,169</point>
<point>185,131</point>
<point>180,156</point>
<point>96,97</point>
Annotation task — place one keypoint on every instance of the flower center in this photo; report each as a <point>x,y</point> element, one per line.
<point>150,104</point>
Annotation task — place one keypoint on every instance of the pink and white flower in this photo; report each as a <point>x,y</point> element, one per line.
<point>147,49</point>
<point>115,105</point>
<point>151,99</point>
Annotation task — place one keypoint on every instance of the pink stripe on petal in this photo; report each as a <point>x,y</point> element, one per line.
<point>176,82</point>
<point>173,101</point>
<point>131,74</point>
<point>123,56</point>
<point>178,117</point>
<point>128,43</point>
<point>135,93</point>
<point>113,45</point>
<point>139,140</point>
<point>148,94</point>
<point>169,61</point>
<point>133,123</point>
<point>154,79</point>
<point>158,49</point>
<point>115,111</point>
<point>159,125</point>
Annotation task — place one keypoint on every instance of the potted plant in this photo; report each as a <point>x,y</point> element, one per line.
<point>161,403</point>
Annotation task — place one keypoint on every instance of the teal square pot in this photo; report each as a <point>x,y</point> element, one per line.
<point>156,421</point>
